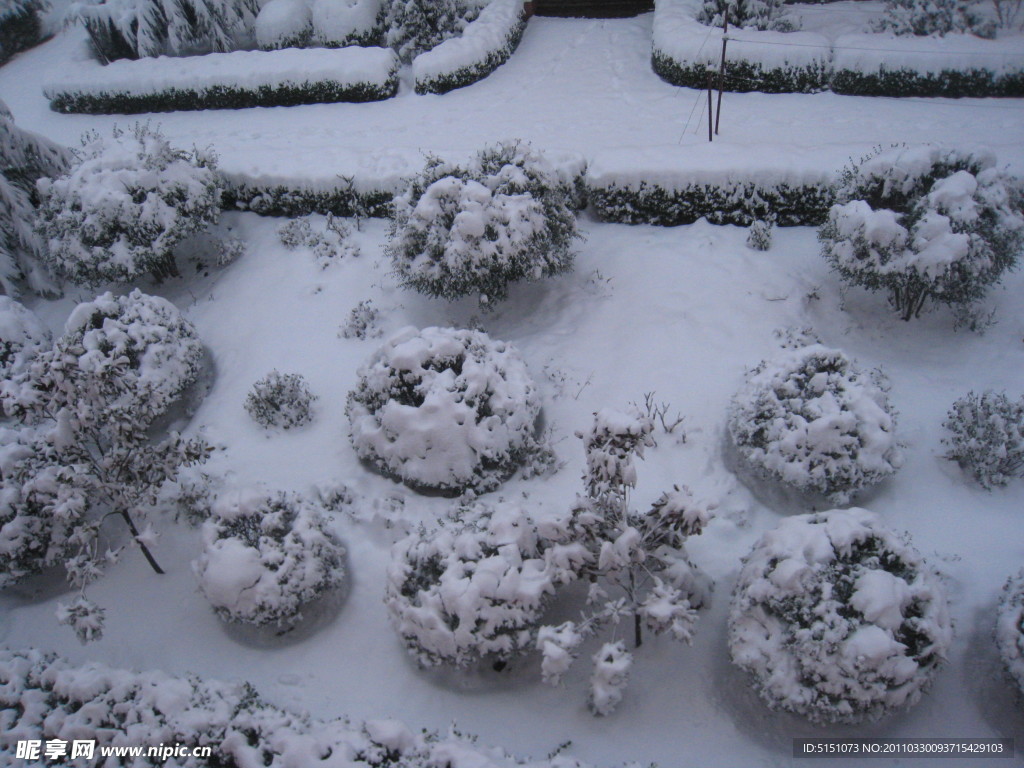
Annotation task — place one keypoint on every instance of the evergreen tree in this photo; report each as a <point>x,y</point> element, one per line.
<point>415,26</point>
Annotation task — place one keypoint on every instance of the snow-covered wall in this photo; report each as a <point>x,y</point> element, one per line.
<point>485,44</point>
<point>228,81</point>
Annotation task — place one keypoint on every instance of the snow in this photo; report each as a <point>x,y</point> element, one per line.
<point>335,21</point>
<point>282,22</point>
<point>484,37</point>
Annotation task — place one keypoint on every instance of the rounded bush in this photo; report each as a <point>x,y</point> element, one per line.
<point>1010,628</point>
<point>22,336</point>
<point>265,557</point>
<point>812,420</point>
<point>478,584</point>
<point>924,224</point>
<point>281,400</point>
<point>444,410</point>
<point>118,213</point>
<point>837,619</point>
<point>987,437</point>
<point>461,231</point>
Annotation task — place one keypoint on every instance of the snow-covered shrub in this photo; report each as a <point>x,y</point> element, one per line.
<point>837,619</point>
<point>1009,631</point>
<point>84,616</point>
<point>22,336</point>
<point>284,24</point>
<point>415,26</point>
<point>362,321</point>
<point>485,44</point>
<point>610,676</point>
<point>988,437</point>
<point>328,245</point>
<point>136,28</point>
<point>746,14</point>
<point>811,419</point>
<point>266,557</point>
<point>281,400</point>
<point>24,158</point>
<point>124,206</point>
<point>759,235</point>
<point>933,18</point>
<point>337,23</point>
<point>444,410</point>
<point>924,224</point>
<point>20,25</point>
<point>474,230</point>
<point>477,585</point>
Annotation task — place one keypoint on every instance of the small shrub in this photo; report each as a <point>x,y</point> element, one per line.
<point>462,231</point>
<point>124,206</point>
<point>988,437</point>
<point>1009,631</point>
<point>281,400</point>
<point>477,585</point>
<point>444,410</point>
<point>837,619</point>
<point>935,18</point>
<point>362,322</point>
<point>924,224</point>
<point>812,420</point>
<point>265,557</point>
<point>329,245</point>
<point>759,235</point>
<point>746,14</point>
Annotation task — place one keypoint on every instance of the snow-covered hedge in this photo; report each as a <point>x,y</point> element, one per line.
<point>679,185</point>
<point>485,44</point>
<point>987,437</point>
<point>813,420</point>
<point>43,698</point>
<point>229,81</point>
<point>477,585</point>
<point>121,209</point>
<point>924,224</point>
<point>837,619</point>
<point>265,557</point>
<point>329,23</point>
<point>1009,632</point>
<point>867,64</point>
<point>444,410</point>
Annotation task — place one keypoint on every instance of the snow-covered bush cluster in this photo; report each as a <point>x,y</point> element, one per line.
<point>126,203</point>
<point>746,14</point>
<point>22,337</point>
<point>44,698</point>
<point>923,18</point>
<point>136,28</point>
<point>924,224</point>
<point>331,23</point>
<point>811,419</point>
<point>477,585</point>
<point>86,450</point>
<point>504,217</point>
<point>837,619</point>
<point>281,400</point>
<point>363,321</point>
<point>265,557</point>
<point>987,437</point>
<point>444,410</point>
<point>759,235</point>
<point>24,159</point>
<point>637,563</point>
<point>20,25</point>
<point>1009,632</point>
<point>329,245</point>
<point>415,26</point>
<point>486,43</point>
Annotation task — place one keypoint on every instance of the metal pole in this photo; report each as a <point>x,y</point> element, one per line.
<point>721,72</point>
<point>711,88</point>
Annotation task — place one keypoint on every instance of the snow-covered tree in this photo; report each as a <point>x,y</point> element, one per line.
<point>759,235</point>
<point>935,18</point>
<point>987,437</point>
<point>20,25</point>
<point>415,26</point>
<point>837,619</point>
<point>638,567</point>
<point>477,585</point>
<point>265,557</point>
<point>24,158</point>
<point>924,224</point>
<point>281,400</point>
<point>444,410</point>
<point>125,204</point>
<point>134,29</point>
<point>1009,631</point>
<point>459,231</point>
<point>22,337</point>
<point>746,14</point>
<point>811,419</point>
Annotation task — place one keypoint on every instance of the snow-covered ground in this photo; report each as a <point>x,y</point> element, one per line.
<point>682,312</point>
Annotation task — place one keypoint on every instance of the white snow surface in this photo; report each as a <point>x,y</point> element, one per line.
<point>681,311</point>
<point>487,34</point>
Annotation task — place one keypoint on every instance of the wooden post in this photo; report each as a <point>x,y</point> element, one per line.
<point>711,88</point>
<point>721,71</point>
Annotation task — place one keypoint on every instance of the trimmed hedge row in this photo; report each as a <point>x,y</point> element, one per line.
<point>281,200</point>
<point>234,80</point>
<point>952,83</point>
<point>745,76</point>
<point>486,44</point>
